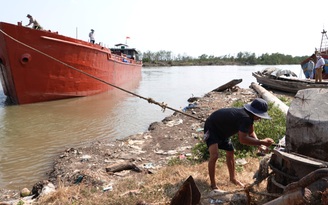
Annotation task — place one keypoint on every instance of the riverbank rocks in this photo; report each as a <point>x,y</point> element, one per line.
<point>25,192</point>
<point>307,124</point>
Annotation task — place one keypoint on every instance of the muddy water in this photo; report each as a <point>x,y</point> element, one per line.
<point>32,135</point>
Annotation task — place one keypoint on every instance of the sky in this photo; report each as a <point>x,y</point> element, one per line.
<point>185,27</point>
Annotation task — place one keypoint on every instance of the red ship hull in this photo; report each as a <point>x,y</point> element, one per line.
<point>38,66</point>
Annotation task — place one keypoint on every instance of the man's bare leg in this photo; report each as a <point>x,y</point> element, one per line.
<point>214,155</point>
<point>230,160</point>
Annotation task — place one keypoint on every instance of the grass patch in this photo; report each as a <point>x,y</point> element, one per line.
<point>158,188</point>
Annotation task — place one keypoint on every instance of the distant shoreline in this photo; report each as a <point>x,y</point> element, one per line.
<point>170,63</point>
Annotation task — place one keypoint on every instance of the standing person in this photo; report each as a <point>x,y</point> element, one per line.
<point>224,123</point>
<point>36,25</point>
<point>309,71</point>
<point>319,68</point>
<point>92,36</point>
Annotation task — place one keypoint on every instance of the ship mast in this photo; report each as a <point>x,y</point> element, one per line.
<point>324,42</point>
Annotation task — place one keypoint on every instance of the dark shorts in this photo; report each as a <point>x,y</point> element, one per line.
<point>223,143</point>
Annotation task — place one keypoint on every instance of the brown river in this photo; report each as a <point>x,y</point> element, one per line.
<point>31,136</point>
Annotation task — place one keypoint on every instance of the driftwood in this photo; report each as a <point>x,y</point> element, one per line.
<point>298,197</point>
<point>188,194</point>
<point>228,85</point>
<point>193,99</point>
<point>122,166</point>
<point>267,96</point>
<point>296,192</point>
<point>307,180</point>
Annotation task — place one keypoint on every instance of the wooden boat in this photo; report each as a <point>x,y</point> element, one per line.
<point>39,65</point>
<point>323,51</point>
<point>285,80</point>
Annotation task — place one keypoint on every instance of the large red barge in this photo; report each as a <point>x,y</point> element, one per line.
<point>40,65</point>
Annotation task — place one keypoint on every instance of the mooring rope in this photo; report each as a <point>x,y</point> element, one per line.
<point>163,105</point>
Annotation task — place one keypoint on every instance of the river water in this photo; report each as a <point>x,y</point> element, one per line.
<point>31,136</point>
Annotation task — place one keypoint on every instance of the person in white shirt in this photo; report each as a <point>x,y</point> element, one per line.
<point>319,68</point>
<point>36,25</point>
<point>92,36</point>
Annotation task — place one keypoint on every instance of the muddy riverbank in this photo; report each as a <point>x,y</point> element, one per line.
<point>145,153</point>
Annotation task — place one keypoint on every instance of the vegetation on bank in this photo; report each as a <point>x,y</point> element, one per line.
<point>166,58</point>
<point>274,129</point>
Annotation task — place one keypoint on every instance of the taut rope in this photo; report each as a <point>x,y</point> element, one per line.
<point>150,100</point>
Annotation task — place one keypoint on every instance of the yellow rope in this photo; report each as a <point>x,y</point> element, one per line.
<point>150,100</point>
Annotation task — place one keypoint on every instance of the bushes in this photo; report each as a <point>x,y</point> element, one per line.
<point>274,129</point>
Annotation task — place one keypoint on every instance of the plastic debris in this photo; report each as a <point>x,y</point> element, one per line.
<point>148,166</point>
<point>79,179</point>
<point>241,161</point>
<point>108,188</point>
<point>216,201</point>
<point>85,158</point>
<point>199,129</point>
<point>174,122</point>
<point>189,107</point>
<point>182,156</point>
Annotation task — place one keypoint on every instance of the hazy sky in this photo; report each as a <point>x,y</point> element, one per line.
<point>186,27</point>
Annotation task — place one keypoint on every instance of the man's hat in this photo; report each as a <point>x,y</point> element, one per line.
<point>258,107</point>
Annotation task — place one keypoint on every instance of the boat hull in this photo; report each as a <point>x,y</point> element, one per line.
<point>38,66</point>
<point>285,84</point>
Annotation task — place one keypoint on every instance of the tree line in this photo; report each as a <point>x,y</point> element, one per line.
<point>166,58</point>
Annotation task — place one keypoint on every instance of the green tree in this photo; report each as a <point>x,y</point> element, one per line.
<point>163,57</point>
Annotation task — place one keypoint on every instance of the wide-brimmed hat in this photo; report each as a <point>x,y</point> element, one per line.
<point>258,107</point>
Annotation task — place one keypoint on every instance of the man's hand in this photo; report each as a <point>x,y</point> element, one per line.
<point>263,149</point>
<point>267,142</point>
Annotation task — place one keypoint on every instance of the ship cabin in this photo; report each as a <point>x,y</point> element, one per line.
<point>122,50</point>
